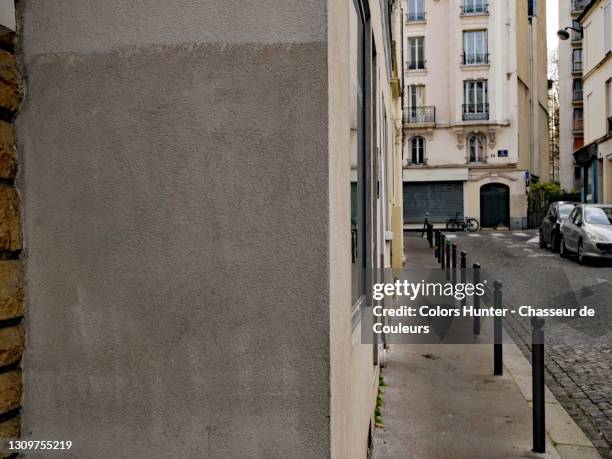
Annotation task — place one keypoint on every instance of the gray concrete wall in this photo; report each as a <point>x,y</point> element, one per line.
<point>175,193</point>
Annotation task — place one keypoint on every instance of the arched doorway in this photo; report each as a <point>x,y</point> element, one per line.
<point>494,205</point>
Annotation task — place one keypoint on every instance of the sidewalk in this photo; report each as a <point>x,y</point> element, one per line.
<point>442,401</point>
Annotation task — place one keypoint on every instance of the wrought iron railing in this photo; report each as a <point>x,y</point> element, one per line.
<point>474,59</point>
<point>416,64</point>
<point>425,114</point>
<point>415,17</point>
<point>577,95</point>
<point>577,66</point>
<point>475,112</point>
<point>475,8</point>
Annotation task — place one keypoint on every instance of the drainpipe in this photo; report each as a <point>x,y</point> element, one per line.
<point>534,171</point>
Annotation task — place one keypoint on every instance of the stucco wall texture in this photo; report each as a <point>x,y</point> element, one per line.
<point>174,187</point>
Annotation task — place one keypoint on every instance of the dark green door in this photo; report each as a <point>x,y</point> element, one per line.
<point>494,205</point>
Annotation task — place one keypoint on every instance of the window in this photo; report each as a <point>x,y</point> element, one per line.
<point>598,215</point>
<point>416,53</point>
<point>417,151</point>
<point>577,220</point>
<point>609,104</point>
<point>564,210</point>
<point>475,98</point>
<point>533,7</point>
<point>476,149</point>
<point>573,215</point>
<point>577,60</point>
<point>416,97</point>
<point>358,152</point>
<point>416,111</point>
<point>578,142</point>
<point>475,7</point>
<point>577,90</point>
<point>416,10</point>
<point>475,47</point>
<point>578,123</point>
<point>576,36</point>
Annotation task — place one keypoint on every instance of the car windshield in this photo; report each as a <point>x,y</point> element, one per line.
<point>565,210</point>
<point>598,215</point>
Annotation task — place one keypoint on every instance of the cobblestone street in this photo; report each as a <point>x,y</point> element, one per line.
<point>579,351</point>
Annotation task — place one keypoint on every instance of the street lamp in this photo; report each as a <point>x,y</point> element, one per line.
<point>563,34</point>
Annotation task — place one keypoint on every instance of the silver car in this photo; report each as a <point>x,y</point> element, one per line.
<point>587,232</point>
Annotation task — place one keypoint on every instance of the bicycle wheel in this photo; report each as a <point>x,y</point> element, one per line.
<point>472,225</point>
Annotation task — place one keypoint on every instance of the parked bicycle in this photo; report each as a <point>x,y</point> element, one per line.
<point>457,223</point>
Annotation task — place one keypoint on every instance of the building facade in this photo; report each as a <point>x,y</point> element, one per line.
<point>571,110</point>
<point>205,203</point>
<point>208,190</point>
<point>475,109</point>
<point>594,159</point>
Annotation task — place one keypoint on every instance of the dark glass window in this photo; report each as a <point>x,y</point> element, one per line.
<point>358,239</point>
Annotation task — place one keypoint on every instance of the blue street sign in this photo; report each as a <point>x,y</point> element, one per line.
<point>502,153</point>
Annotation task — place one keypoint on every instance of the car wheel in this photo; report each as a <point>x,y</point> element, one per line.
<point>562,249</point>
<point>541,241</point>
<point>581,258</point>
<point>554,242</point>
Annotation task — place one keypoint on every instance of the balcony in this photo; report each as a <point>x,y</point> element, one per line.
<point>474,59</point>
<point>416,17</point>
<point>577,95</point>
<point>475,112</point>
<point>475,9</point>
<point>420,115</point>
<point>577,66</point>
<point>416,65</point>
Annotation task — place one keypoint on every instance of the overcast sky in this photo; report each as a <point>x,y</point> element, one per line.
<point>552,21</point>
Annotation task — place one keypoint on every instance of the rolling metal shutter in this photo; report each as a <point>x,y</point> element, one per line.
<point>441,199</point>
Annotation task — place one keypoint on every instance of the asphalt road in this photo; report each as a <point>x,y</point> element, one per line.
<point>579,350</point>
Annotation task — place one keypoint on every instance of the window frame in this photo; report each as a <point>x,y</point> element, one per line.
<point>416,53</point>
<point>476,92</point>
<point>417,144</point>
<point>577,52</point>
<point>418,14</point>
<point>474,7</point>
<point>359,224</point>
<point>475,39</point>
<point>481,147</point>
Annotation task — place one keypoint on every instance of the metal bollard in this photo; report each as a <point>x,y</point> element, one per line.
<point>537,384</point>
<point>476,268</point>
<point>443,250</point>
<point>454,262</point>
<point>437,248</point>
<point>498,364</point>
<point>448,259</point>
<point>430,234</point>
<point>463,266</point>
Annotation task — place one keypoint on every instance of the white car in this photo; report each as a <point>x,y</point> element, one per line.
<point>587,232</point>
